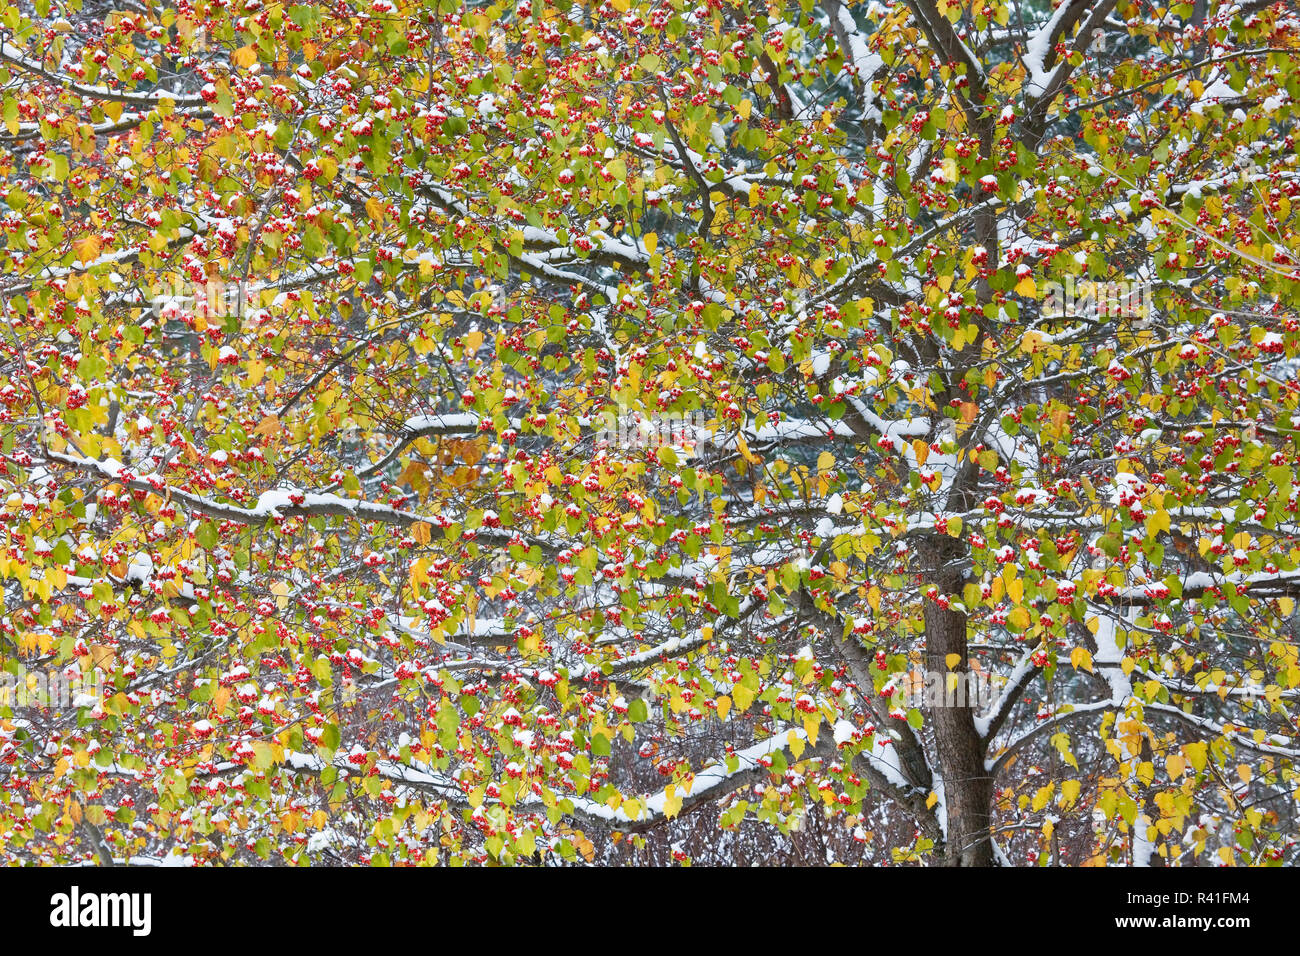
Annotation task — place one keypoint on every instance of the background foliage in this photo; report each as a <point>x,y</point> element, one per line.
<point>314,314</point>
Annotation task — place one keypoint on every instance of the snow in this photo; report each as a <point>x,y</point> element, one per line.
<point>843,732</point>
<point>1023,667</point>
<point>442,424</point>
<point>884,759</point>
<point>708,779</point>
<point>1216,90</point>
<point>1201,580</point>
<point>865,63</point>
<point>1036,49</point>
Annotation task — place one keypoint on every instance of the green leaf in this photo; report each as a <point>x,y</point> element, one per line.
<point>206,535</point>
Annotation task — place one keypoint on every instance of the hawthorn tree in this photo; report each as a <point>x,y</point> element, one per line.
<point>441,432</point>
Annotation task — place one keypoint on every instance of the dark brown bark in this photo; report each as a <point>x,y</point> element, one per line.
<point>967,783</point>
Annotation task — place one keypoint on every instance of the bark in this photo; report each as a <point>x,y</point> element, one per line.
<point>967,784</point>
<point>960,751</point>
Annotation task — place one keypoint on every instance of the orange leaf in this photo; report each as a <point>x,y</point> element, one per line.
<point>87,249</point>
<point>268,426</point>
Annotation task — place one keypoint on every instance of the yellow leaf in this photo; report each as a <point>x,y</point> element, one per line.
<point>931,800</point>
<point>1043,795</point>
<point>1175,764</point>
<point>473,340</point>
<point>227,147</point>
<point>421,531</point>
<point>1080,658</point>
<point>1025,287</point>
<point>1243,771</point>
<point>811,724</point>
<point>743,696</point>
<point>724,707</point>
<point>743,108</point>
<point>1015,590</point>
<point>245,56</point>
<point>795,743</point>
<point>952,660</point>
<point>87,248</point>
<point>651,242</point>
<point>263,755</point>
<point>1069,791</point>
<point>873,598</point>
<point>268,426</point>
<point>921,450</point>
<point>672,801</point>
<point>1158,522</point>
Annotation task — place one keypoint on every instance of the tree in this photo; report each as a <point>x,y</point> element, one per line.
<point>441,432</point>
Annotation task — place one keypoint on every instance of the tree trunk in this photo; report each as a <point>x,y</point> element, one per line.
<point>967,784</point>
